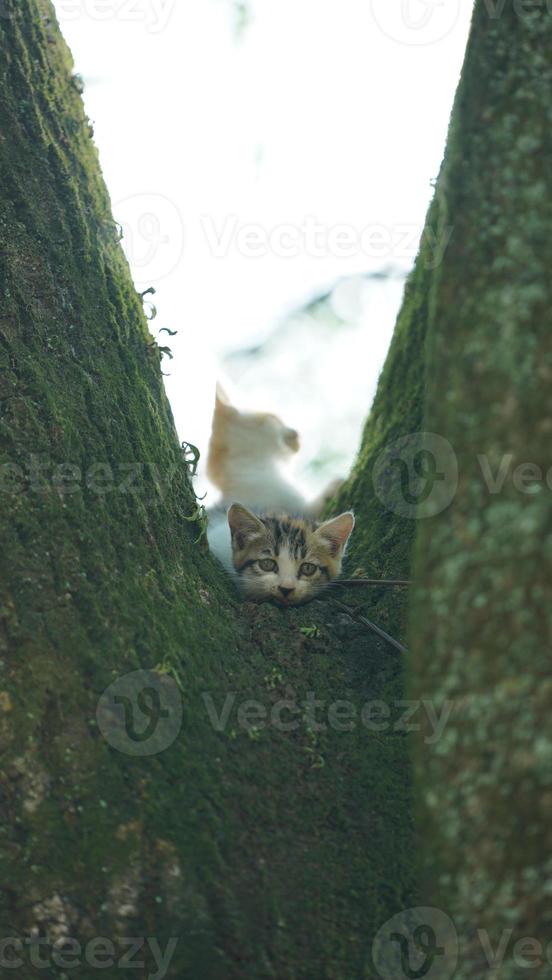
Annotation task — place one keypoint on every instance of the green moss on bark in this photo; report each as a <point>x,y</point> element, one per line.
<point>471,363</point>
<point>267,853</point>
<point>481,621</point>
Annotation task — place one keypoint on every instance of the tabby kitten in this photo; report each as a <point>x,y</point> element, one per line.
<point>287,560</point>
<point>274,556</point>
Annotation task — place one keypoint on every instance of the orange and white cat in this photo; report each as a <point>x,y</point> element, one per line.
<point>246,462</point>
<point>247,456</point>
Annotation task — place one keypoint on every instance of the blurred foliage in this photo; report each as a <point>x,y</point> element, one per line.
<point>241,14</point>
<point>305,362</point>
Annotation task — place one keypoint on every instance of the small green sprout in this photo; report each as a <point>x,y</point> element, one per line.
<point>312,632</point>
<point>199,516</point>
<point>189,450</point>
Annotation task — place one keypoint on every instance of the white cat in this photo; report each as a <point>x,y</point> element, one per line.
<point>246,462</point>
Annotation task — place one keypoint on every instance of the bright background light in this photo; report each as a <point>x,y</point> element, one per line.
<point>318,113</point>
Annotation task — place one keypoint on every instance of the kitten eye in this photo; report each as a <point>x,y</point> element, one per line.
<point>268,565</point>
<point>308,569</point>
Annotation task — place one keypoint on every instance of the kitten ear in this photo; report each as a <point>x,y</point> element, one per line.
<point>337,531</point>
<point>244,526</point>
<point>222,401</point>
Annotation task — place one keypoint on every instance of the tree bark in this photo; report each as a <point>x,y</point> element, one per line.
<point>471,367</point>
<point>269,849</point>
<point>483,611</point>
<point>271,843</point>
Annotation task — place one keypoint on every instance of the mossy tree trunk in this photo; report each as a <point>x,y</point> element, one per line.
<point>482,618</point>
<point>271,852</point>
<point>269,843</point>
<point>463,421</point>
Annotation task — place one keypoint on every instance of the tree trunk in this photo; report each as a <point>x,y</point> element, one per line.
<point>483,609</point>
<point>462,422</point>
<point>275,842</point>
<point>270,840</point>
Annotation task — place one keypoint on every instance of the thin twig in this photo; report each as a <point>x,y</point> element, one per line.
<point>372,581</point>
<point>376,629</point>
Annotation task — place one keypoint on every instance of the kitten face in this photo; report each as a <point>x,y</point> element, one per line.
<point>256,435</point>
<point>287,560</point>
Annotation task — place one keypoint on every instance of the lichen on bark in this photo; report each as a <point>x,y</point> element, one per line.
<point>481,621</point>
<point>471,364</point>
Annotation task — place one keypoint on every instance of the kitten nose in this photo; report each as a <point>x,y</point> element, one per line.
<point>286,592</point>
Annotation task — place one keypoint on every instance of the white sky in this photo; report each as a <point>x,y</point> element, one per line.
<point>330,112</point>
